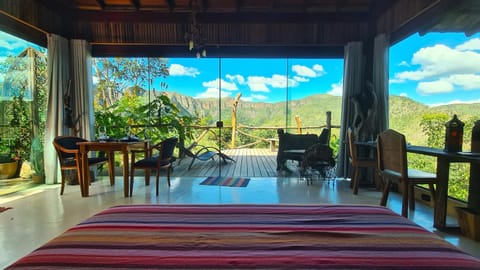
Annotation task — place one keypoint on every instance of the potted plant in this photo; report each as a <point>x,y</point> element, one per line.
<point>8,160</point>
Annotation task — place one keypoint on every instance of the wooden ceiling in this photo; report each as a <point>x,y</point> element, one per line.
<point>240,28</point>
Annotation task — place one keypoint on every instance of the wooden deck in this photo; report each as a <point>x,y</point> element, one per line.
<point>248,163</point>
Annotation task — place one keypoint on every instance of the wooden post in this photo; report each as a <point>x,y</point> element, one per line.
<point>234,119</point>
<point>299,124</point>
<point>329,120</point>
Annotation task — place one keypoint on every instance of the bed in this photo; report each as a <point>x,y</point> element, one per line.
<point>248,237</point>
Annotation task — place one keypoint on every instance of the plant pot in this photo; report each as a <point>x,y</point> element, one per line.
<point>8,169</point>
<point>38,179</point>
<point>469,223</point>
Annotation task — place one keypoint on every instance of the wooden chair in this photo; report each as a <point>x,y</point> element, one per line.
<point>162,160</point>
<point>69,157</point>
<point>358,162</point>
<point>393,166</point>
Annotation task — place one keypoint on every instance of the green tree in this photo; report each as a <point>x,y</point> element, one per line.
<point>433,125</point>
<point>115,75</point>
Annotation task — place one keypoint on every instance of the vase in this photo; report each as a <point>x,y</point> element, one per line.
<point>8,169</point>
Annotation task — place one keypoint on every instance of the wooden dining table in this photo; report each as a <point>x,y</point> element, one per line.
<point>109,147</point>
<point>444,159</point>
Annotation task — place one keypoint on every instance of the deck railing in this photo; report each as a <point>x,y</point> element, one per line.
<point>242,136</point>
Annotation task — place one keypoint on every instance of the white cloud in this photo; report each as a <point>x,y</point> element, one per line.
<point>466,81</point>
<point>179,70</point>
<point>403,94</point>
<point>228,86</point>
<point>319,69</point>
<point>448,84</point>
<point>236,78</point>
<point>441,60</point>
<point>254,97</point>
<point>435,87</point>
<point>470,45</point>
<point>442,69</point>
<point>259,97</point>
<point>258,84</point>
<point>454,102</point>
<point>262,84</point>
<point>337,89</point>
<point>404,64</point>
<point>300,79</point>
<point>212,93</point>
<point>304,71</point>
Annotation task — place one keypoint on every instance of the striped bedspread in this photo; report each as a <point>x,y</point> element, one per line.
<point>247,236</point>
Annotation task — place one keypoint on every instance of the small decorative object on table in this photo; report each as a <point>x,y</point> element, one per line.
<point>454,135</point>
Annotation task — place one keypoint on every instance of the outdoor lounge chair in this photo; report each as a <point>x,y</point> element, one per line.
<point>203,153</point>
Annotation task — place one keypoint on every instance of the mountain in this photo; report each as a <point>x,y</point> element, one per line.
<point>405,113</point>
<point>311,110</point>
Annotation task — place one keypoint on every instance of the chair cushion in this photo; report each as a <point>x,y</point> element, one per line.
<point>150,162</point>
<point>206,155</point>
<point>413,173</point>
<point>69,162</point>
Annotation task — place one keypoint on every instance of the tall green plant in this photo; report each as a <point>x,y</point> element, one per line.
<point>155,120</point>
<point>21,125</point>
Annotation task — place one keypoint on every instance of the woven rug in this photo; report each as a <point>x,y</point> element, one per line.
<point>4,209</point>
<point>225,181</point>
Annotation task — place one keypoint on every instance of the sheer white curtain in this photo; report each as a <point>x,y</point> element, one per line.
<point>380,81</point>
<point>353,82</point>
<point>57,81</point>
<point>82,89</point>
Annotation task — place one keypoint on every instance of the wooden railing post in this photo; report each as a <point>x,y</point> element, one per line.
<point>234,120</point>
<point>299,124</point>
<point>329,119</point>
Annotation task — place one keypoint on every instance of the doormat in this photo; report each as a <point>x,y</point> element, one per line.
<point>225,181</point>
<point>4,209</point>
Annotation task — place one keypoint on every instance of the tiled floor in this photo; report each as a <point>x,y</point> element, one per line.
<point>39,214</point>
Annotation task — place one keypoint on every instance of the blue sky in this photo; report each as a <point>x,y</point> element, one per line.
<point>434,69</point>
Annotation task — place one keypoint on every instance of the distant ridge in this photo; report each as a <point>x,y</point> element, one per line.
<point>405,113</point>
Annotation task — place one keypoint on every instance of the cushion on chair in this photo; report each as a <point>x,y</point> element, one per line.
<point>150,162</point>
<point>206,156</point>
<point>70,162</point>
<point>417,173</point>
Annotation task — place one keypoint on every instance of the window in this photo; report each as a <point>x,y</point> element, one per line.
<point>433,77</point>
<point>271,93</point>
<point>22,100</point>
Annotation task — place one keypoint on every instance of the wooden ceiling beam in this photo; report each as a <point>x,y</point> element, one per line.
<point>119,50</point>
<point>429,16</point>
<point>109,16</point>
